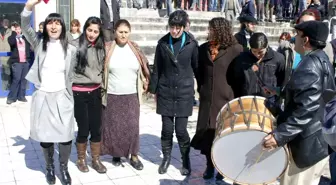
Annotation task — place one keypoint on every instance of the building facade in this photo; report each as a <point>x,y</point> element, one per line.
<point>69,9</point>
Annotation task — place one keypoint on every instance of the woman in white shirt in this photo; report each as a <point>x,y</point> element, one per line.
<point>126,77</point>
<point>52,109</point>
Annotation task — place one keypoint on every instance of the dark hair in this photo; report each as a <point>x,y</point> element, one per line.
<point>286,35</point>
<point>122,22</point>
<point>54,17</point>
<point>82,61</point>
<point>41,24</point>
<point>258,40</point>
<point>223,34</point>
<point>311,12</point>
<point>178,18</point>
<point>315,43</point>
<point>15,24</point>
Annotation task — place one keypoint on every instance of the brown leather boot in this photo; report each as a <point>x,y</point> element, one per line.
<point>95,153</point>
<point>81,155</point>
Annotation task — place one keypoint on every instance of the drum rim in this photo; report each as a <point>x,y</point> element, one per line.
<point>282,173</point>
<point>242,97</point>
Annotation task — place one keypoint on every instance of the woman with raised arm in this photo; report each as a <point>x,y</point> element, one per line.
<point>52,109</point>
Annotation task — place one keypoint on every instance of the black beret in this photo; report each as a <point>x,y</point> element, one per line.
<point>247,19</point>
<point>314,30</point>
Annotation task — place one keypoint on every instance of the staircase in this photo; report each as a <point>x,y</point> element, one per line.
<point>148,26</point>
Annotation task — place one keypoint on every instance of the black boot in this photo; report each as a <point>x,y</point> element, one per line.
<point>219,176</point>
<point>185,150</point>
<point>210,169</point>
<point>49,159</point>
<point>64,154</point>
<point>166,150</point>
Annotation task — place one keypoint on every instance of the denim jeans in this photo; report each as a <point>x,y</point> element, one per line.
<point>212,5</point>
<point>169,7</point>
<point>302,6</point>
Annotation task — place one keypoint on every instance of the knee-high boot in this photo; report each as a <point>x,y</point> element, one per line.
<point>210,169</point>
<point>81,155</point>
<point>50,167</point>
<point>64,155</point>
<point>95,153</point>
<point>185,150</point>
<point>166,150</point>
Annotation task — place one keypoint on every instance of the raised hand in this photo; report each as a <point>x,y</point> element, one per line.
<point>31,3</point>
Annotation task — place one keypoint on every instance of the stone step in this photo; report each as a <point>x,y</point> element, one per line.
<point>145,35</point>
<point>194,20</point>
<point>163,27</point>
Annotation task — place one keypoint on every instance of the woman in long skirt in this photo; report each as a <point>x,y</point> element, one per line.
<point>52,109</point>
<point>126,77</point>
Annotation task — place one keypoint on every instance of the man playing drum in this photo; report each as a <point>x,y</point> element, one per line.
<point>299,125</point>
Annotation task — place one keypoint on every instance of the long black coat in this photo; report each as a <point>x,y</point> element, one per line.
<point>172,79</point>
<point>214,91</point>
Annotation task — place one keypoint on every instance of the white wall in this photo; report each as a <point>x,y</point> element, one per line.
<point>84,9</point>
<point>42,10</point>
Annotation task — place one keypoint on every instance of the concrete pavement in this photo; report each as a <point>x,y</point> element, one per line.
<point>22,162</point>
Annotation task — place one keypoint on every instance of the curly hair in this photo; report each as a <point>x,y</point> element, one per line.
<point>222,32</point>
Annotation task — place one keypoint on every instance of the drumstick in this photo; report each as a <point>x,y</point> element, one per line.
<point>258,159</point>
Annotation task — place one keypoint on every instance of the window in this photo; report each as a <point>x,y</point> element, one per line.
<point>65,8</point>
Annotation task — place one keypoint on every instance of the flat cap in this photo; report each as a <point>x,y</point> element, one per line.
<point>247,18</point>
<point>315,30</point>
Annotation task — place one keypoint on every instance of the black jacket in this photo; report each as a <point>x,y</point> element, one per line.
<point>172,79</point>
<point>241,39</point>
<point>14,58</point>
<point>105,13</point>
<point>244,81</point>
<point>299,125</point>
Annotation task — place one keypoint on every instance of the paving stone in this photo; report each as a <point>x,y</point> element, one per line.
<point>22,162</point>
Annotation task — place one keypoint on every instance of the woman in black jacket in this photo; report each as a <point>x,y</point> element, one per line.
<point>19,61</point>
<point>172,81</point>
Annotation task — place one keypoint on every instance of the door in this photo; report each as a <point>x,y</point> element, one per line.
<point>10,12</point>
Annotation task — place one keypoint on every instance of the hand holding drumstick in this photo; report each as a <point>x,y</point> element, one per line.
<point>269,142</point>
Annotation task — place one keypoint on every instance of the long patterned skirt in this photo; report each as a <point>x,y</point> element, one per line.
<point>120,126</point>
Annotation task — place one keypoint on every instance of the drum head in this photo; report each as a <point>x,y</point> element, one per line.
<point>240,157</point>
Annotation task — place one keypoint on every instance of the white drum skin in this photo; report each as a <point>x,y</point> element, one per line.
<point>237,151</point>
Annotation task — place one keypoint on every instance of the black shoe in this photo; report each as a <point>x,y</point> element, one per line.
<point>50,168</point>
<point>185,150</point>
<point>219,176</point>
<point>23,100</point>
<point>64,154</point>
<point>136,164</point>
<point>209,172</point>
<point>9,101</point>
<point>116,161</point>
<point>166,150</point>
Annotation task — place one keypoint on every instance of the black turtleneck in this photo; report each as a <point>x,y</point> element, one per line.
<point>177,44</point>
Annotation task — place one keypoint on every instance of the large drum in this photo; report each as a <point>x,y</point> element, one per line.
<point>237,151</point>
